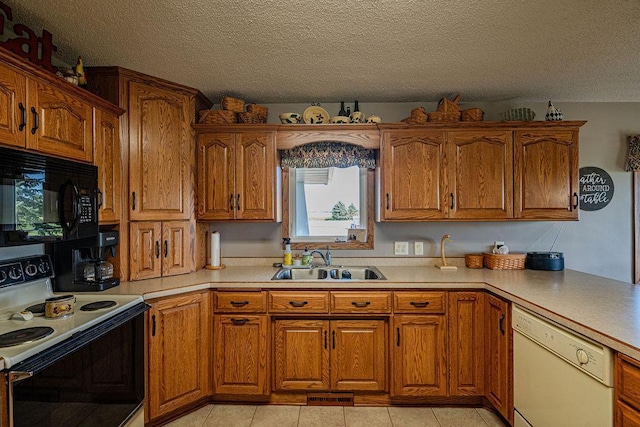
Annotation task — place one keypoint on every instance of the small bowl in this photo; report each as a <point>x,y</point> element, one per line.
<point>339,119</point>
<point>290,118</point>
<point>374,119</point>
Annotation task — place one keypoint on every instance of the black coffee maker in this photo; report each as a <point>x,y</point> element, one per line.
<point>82,265</point>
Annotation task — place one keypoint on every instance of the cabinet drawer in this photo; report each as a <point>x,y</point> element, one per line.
<point>361,302</point>
<point>245,302</point>
<point>419,302</point>
<point>627,373</point>
<point>298,302</point>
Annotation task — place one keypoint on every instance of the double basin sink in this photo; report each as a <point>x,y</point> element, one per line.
<point>330,273</point>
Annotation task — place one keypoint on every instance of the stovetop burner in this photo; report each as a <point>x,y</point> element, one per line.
<point>36,308</point>
<point>23,336</point>
<point>98,305</point>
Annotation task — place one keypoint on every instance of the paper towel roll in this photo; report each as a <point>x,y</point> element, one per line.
<point>214,249</point>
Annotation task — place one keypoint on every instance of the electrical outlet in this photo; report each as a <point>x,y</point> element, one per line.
<point>418,248</point>
<point>401,248</point>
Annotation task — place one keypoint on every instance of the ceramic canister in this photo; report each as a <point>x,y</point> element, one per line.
<point>57,307</point>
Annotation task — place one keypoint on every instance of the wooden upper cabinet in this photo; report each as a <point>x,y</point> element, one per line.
<point>546,174</point>
<point>160,154</point>
<point>237,175</point>
<point>480,167</point>
<point>161,248</point>
<point>216,176</point>
<point>13,107</point>
<point>413,171</point>
<point>62,125</point>
<point>107,158</point>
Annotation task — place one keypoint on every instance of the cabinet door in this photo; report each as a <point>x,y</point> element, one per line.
<point>358,355</point>
<point>466,343</point>
<point>178,349</point>
<point>480,165</point>
<point>546,174</point>
<point>107,158</point>
<point>626,416</point>
<point>161,154</point>
<point>145,261</point>
<point>13,107</point>
<point>216,176</point>
<point>255,175</point>
<point>499,355</point>
<point>301,355</point>
<point>413,175</point>
<point>62,125</point>
<point>419,356</point>
<point>240,354</point>
<point>178,247</point>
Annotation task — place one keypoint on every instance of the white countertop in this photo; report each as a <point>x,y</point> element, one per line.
<point>604,310</point>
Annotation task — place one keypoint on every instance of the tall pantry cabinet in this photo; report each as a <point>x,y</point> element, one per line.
<point>158,152</point>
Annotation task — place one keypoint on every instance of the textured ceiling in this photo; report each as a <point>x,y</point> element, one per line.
<point>274,51</point>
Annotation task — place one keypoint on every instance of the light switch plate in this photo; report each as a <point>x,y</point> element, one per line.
<point>401,248</point>
<point>418,248</point>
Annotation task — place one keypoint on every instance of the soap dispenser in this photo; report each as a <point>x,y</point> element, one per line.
<point>306,256</point>
<point>288,258</point>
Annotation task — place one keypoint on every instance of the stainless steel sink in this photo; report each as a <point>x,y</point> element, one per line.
<point>336,273</point>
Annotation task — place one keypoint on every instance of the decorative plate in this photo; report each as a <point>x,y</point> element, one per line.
<point>315,115</point>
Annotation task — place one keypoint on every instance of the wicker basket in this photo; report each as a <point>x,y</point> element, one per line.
<point>472,115</point>
<point>473,260</point>
<point>232,104</point>
<point>446,106</point>
<point>260,110</point>
<point>439,116</point>
<point>250,118</point>
<point>513,261</point>
<point>217,117</point>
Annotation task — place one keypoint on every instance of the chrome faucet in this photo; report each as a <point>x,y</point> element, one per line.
<point>325,257</point>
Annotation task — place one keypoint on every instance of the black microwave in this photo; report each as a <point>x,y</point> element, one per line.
<point>46,199</point>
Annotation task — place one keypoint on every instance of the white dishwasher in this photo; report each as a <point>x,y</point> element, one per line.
<point>559,378</point>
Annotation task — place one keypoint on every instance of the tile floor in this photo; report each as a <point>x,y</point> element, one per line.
<point>330,416</point>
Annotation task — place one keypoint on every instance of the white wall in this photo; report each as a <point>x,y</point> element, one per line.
<point>600,243</point>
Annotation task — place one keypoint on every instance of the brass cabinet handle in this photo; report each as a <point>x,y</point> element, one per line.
<point>153,325</point>
<point>398,332</point>
<point>387,201</point>
<point>231,202</point>
<point>502,324</point>
<point>453,201</point>
<point>157,249</point>
<point>133,200</point>
<point>325,340</point>
<point>333,339</point>
<point>238,303</point>
<point>238,203</point>
<point>298,303</point>
<point>23,117</point>
<point>360,304</point>
<point>575,206</point>
<point>239,321</point>
<point>100,198</point>
<point>166,248</point>
<point>419,304</point>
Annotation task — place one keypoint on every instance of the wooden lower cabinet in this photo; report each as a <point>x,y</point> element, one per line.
<point>419,355</point>
<point>466,343</point>
<point>240,354</point>
<point>627,391</point>
<point>178,342</point>
<point>337,355</point>
<point>499,355</point>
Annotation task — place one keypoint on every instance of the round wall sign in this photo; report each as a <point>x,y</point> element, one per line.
<point>596,188</point>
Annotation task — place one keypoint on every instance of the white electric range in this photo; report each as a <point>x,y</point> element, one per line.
<point>25,283</point>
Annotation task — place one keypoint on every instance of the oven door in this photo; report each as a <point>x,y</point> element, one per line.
<point>95,378</point>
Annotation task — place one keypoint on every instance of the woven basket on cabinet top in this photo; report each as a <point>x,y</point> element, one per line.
<point>514,261</point>
<point>217,117</point>
<point>260,110</point>
<point>232,104</point>
<point>250,118</point>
